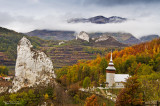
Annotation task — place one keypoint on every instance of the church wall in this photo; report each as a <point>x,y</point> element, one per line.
<point>119,85</point>
<point>110,78</point>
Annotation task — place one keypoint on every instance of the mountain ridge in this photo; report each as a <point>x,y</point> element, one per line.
<point>52,34</point>
<point>148,38</point>
<point>70,35</point>
<point>98,20</point>
<point>104,40</point>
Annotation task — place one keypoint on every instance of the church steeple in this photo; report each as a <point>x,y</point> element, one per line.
<point>111,56</point>
<point>110,72</point>
<point>111,65</point>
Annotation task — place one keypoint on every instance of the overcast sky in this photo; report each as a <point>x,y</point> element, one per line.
<point>28,15</point>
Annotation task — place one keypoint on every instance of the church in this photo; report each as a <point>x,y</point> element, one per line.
<point>112,79</point>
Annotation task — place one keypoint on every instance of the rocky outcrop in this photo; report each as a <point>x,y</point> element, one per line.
<point>106,40</point>
<point>4,86</point>
<point>32,67</point>
<point>3,89</point>
<point>83,35</point>
<point>102,38</point>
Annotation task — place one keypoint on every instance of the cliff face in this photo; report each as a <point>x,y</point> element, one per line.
<point>4,85</point>
<point>32,67</point>
<point>83,35</point>
<point>102,38</point>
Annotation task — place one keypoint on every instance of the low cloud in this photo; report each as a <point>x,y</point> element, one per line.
<point>117,2</point>
<point>35,1</point>
<point>136,27</point>
<point>5,18</point>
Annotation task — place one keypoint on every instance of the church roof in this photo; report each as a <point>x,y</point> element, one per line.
<point>111,68</point>
<point>111,65</point>
<point>121,77</point>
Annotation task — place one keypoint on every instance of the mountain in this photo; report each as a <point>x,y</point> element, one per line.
<point>98,20</point>
<point>125,38</point>
<point>52,34</point>
<point>148,38</point>
<point>103,40</point>
<point>132,40</point>
<point>83,47</point>
<point>107,41</point>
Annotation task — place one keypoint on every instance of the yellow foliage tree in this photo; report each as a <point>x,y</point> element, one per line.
<point>46,96</point>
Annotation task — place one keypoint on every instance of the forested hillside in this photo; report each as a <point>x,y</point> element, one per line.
<point>65,54</point>
<point>142,60</point>
<point>146,55</point>
<point>9,40</point>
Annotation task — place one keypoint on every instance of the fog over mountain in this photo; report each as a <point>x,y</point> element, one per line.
<point>27,15</point>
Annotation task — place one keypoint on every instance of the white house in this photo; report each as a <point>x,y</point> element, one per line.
<point>7,78</point>
<point>113,79</point>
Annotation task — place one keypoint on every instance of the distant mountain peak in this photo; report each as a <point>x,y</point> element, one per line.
<point>148,38</point>
<point>98,20</point>
<point>100,16</point>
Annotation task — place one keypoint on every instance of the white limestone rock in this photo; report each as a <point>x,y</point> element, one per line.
<point>60,43</point>
<point>3,89</point>
<point>102,38</point>
<point>32,67</point>
<point>83,35</point>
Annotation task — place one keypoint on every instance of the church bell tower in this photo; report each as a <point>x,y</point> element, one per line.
<point>110,73</point>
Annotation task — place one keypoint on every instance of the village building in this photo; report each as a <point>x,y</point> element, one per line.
<point>7,78</point>
<point>112,79</point>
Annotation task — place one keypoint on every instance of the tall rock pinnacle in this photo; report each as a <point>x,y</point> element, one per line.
<point>32,67</point>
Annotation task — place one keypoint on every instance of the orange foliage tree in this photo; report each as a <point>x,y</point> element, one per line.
<point>132,94</point>
<point>91,101</point>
